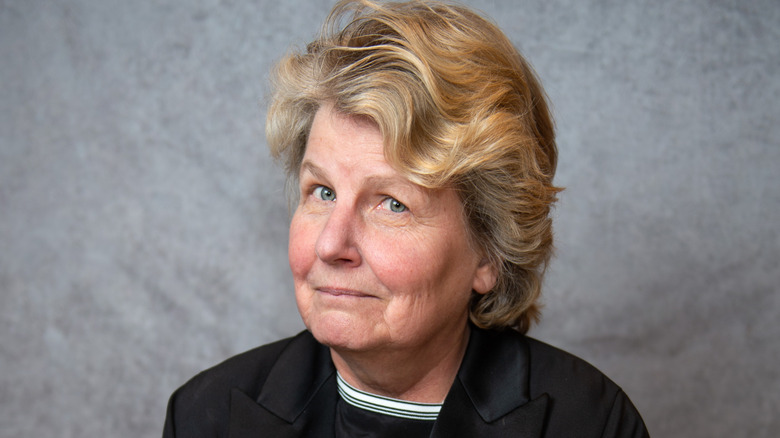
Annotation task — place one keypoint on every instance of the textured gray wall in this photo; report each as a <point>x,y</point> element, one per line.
<point>143,226</point>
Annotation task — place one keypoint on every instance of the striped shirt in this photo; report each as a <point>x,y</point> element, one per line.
<point>386,405</point>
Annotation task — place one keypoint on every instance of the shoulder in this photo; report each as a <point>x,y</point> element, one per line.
<point>246,371</point>
<point>506,365</point>
<point>579,390</point>
<point>545,369</point>
<point>204,401</point>
<point>553,369</point>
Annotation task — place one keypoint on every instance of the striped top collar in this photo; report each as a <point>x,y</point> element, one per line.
<point>386,405</point>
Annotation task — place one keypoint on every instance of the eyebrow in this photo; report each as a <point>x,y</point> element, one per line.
<point>376,181</point>
<point>312,168</point>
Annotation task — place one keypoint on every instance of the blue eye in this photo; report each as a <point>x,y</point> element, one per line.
<point>324,193</point>
<point>394,205</point>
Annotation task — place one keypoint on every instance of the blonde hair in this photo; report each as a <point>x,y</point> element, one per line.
<point>459,107</point>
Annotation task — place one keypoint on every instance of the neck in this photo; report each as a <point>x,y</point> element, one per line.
<point>423,374</point>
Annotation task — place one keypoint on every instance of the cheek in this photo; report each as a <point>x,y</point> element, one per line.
<point>300,253</point>
<point>436,263</point>
<point>300,249</point>
<point>405,265</point>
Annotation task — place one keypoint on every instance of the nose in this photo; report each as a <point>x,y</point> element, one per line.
<point>336,244</point>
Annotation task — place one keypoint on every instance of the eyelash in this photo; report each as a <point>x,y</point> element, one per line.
<point>321,189</point>
<point>389,203</point>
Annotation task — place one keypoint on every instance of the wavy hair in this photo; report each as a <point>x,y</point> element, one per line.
<point>458,107</point>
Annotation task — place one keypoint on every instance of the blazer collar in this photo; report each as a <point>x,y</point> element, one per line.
<point>301,371</point>
<point>491,395</point>
<point>298,398</point>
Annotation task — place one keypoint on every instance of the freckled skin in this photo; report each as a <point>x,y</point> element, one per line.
<point>383,269</point>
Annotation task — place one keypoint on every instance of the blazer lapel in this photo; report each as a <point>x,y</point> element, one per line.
<point>298,398</point>
<point>247,418</point>
<point>491,395</point>
<point>526,421</point>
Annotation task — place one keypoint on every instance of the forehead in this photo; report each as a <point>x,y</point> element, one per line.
<point>328,121</point>
<point>351,142</point>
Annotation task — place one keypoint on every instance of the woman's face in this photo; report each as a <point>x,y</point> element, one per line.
<point>379,263</point>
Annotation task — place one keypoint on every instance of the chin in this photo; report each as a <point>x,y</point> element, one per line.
<point>341,332</point>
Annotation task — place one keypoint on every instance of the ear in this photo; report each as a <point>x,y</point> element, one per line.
<point>485,277</point>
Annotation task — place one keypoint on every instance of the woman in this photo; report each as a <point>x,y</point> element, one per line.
<point>421,153</point>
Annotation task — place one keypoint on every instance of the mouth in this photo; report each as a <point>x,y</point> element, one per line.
<point>339,292</point>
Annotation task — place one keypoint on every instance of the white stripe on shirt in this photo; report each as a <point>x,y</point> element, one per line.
<point>386,405</point>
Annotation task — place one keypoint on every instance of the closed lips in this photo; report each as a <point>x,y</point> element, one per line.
<point>342,292</point>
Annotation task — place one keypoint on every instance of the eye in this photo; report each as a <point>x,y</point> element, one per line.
<point>324,193</point>
<point>394,205</point>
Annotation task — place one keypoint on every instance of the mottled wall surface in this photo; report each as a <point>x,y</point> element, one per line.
<point>143,226</point>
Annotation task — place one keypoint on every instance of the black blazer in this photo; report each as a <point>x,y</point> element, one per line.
<point>508,385</point>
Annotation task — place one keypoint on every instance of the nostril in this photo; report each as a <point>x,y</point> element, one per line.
<point>343,253</point>
<point>335,244</point>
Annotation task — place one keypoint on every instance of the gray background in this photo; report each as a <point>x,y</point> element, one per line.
<point>143,227</point>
